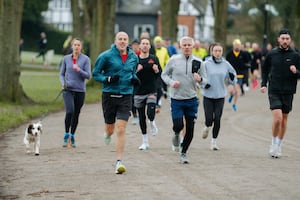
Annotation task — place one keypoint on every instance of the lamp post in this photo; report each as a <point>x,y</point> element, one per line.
<point>265,36</point>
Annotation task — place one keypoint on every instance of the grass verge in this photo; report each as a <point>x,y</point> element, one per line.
<point>42,86</point>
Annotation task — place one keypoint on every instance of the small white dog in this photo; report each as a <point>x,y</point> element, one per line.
<point>33,135</point>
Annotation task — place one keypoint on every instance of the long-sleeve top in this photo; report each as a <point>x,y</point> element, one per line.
<point>110,63</point>
<point>147,75</point>
<point>162,55</point>
<point>240,62</point>
<point>217,75</point>
<point>179,68</point>
<point>71,79</point>
<point>276,71</point>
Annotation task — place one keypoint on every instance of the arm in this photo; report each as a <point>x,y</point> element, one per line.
<point>85,71</point>
<point>62,73</point>
<point>167,72</point>
<point>97,71</point>
<point>265,71</point>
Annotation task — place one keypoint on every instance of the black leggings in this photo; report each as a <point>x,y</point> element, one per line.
<point>73,103</point>
<point>142,116</point>
<point>213,109</point>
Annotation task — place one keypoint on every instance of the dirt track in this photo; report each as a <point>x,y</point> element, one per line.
<point>240,170</point>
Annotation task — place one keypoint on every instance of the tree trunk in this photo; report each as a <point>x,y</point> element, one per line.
<point>220,28</point>
<point>10,23</point>
<point>78,18</point>
<point>169,14</point>
<point>102,15</point>
<point>296,35</point>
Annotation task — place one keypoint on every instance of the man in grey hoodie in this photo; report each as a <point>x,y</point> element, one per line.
<point>183,73</point>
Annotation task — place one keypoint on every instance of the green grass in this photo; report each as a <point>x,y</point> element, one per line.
<point>26,57</point>
<point>42,86</point>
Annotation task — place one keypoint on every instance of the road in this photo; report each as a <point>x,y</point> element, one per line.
<point>241,169</point>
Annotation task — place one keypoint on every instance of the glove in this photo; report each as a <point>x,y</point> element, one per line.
<point>113,79</point>
<point>195,66</point>
<point>207,86</point>
<point>231,76</point>
<point>136,81</point>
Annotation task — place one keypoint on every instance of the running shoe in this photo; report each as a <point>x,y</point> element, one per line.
<point>144,146</point>
<point>273,152</point>
<point>153,128</point>
<point>230,98</point>
<point>205,132</point>
<point>234,108</point>
<point>66,137</point>
<point>175,142</point>
<point>135,121</point>
<point>120,168</point>
<point>214,147</point>
<point>183,158</point>
<point>72,140</point>
<point>107,138</point>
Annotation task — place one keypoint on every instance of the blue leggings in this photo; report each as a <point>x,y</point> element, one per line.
<point>73,104</point>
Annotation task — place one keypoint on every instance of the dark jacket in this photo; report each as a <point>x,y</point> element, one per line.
<point>240,63</point>
<point>276,71</point>
<point>109,63</point>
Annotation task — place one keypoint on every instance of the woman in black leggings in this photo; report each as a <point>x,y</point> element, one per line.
<point>218,72</point>
<point>75,69</point>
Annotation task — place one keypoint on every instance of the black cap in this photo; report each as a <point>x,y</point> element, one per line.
<point>284,31</point>
<point>135,41</point>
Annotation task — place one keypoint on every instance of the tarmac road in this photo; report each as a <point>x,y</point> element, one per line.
<point>241,169</point>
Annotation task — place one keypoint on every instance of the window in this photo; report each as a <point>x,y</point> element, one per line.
<point>182,31</point>
<point>138,28</point>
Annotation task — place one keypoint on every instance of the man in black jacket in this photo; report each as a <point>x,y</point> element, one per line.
<point>280,71</point>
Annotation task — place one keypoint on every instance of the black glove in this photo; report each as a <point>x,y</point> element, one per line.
<point>195,66</point>
<point>113,79</point>
<point>207,86</point>
<point>136,81</point>
<point>231,76</point>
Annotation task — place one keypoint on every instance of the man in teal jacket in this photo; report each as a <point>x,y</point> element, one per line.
<point>116,70</point>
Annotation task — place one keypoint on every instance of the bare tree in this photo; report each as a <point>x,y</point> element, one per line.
<point>102,15</point>
<point>10,23</point>
<point>78,18</point>
<point>169,13</point>
<point>220,28</point>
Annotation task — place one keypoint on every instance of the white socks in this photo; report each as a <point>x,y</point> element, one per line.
<point>145,138</point>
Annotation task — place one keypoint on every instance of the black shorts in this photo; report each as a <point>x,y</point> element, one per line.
<point>116,106</point>
<point>281,101</point>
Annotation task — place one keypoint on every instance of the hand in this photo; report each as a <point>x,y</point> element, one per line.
<point>155,68</point>
<point>113,79</point>
<point>176,84</point>
<point>136,81</point>
<point>139,67</point>
<point>231,76</point>
<point>76,67</point>
<point>197,77</point>
<point>263,89</point>
<point>293,69</point>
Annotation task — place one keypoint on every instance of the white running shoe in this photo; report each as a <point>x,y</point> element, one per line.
<point>120,168</point>
<point>135,121</point>
<point>144,146</point>
<point>205,132</point>
<point>273,152</point>
<point>214,147</point>
<point>153,128</point>
<point>183,158</point>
